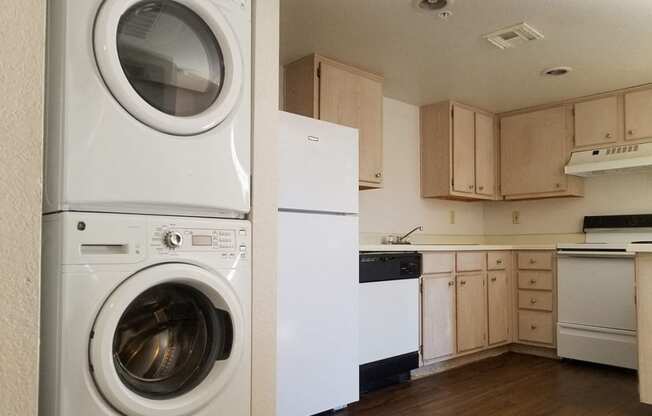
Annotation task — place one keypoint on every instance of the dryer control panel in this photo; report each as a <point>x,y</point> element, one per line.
<point>229,243</point>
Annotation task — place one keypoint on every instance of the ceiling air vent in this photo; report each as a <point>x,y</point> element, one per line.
<point>513,36</point>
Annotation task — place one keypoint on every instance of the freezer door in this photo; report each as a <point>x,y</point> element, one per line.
<point>318,165</point>
<point>317,367</point>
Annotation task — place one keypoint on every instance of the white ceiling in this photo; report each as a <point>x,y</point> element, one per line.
<point>425,59</point>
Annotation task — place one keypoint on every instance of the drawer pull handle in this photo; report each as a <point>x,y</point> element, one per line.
<point>493,279</point>
<point>463,282</point>
<point>533,327</point>
<point>533,301</point>
<point>533,281</point>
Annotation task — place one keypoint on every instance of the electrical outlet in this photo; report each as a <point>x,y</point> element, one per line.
<point>451,217</point>
<point>516,217</point>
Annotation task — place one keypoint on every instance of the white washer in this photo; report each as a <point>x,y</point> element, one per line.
<point>148,107</point>
<point>132,326</point>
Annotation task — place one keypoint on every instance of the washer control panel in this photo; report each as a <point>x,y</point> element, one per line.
<point>229,243</point>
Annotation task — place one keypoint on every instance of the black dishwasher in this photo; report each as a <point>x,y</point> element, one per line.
<point>389,317</point>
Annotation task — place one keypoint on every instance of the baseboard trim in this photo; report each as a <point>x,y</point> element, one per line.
<point>456,362</point>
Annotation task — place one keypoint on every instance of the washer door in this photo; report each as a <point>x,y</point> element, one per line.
<point>175,65</point>
<point>166,341</point>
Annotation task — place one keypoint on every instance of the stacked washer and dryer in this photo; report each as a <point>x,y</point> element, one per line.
<point>146,247</point>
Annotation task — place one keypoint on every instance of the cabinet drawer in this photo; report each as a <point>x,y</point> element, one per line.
<point>535,327</point>
<point>532,299</point>
<point>437,263</point>
<point>535,280</point>
<point>470,262</point>
<point>535,260</point>
<point>497,260</point>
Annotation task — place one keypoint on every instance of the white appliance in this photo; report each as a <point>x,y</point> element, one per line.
<point>389,317</point>
<point>148,107</point>
<point>596,290</point>
<point>145,316</point>
<point>317,366</point>
<point>616,159</point>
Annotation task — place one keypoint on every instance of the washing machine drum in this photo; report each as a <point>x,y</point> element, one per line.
<point>167,339</point>
<point>175,65</point>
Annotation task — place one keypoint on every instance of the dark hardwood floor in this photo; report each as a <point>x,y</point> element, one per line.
<point>511,385</point>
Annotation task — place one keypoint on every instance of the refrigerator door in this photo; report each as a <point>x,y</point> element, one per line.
<point>318,165</point>
<point>317,365</point>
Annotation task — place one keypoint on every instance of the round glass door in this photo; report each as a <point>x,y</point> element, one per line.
<point>168,339</point>
<point>170,57</point>
<point>175,65</point>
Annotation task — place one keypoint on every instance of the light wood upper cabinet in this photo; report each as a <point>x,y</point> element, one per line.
<point>535,148</point>
<point>499,306</point>
<point>598,122</point>
<point>321,88</point>
<point>438,310</point>
<point>458,152</point>
<point>638,108</point>
<point>485,155</point>
<point>463,150</point>
<point>471,312</point>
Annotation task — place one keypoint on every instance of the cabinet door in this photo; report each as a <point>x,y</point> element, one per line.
<point>463,150</point>
<point>438,309</point>
<point>471,312</point>
<point>499,306</point>
<point>638,107</point>
<point>534,152</point>
<point>597,122</point>
<point>485,154</point>
<point>353,100</point>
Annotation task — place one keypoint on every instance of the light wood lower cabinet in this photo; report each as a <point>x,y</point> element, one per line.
<point>471,312</point>
<point>499,306</point>
<point>535,327</point>
<point>438,310</point>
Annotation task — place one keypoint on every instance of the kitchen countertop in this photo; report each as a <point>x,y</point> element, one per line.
<point>456,247</point>
<point>639,248</point>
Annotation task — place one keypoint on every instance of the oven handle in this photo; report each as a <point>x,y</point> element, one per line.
<point>604,254</point>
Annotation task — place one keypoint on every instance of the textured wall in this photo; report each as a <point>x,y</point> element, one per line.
<point>264,214</point>
<point>398,206</point>
<point>21,76</point>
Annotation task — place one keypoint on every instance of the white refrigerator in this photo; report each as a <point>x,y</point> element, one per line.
<point>317,366</point>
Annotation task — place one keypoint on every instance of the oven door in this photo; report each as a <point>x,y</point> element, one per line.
<point>597,291</point>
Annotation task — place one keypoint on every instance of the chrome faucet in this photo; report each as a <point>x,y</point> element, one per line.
<point>401,240</point>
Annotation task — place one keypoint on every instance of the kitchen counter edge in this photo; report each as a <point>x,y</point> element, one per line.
<point>458,247</point>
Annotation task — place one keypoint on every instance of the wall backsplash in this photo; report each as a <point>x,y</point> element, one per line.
<point>398,206</point>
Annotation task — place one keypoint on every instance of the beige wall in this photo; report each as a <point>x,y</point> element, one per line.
<point>264,213</point>
<point>613,194</point>
<point>21,104</point>
<point>398,206</point>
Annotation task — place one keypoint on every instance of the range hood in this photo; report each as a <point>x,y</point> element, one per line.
<point>616,159</point>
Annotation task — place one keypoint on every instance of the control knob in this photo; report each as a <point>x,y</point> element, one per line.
<point>173,239</point>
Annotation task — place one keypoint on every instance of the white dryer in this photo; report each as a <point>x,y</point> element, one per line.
<point>145,316</point>
<point>148,107</point>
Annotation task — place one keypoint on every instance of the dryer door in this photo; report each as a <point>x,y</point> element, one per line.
<point>175,65</point>
<point>166,341</point>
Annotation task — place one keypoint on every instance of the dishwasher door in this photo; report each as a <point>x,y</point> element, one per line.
<point>597,291</point>
<point>389,319</point>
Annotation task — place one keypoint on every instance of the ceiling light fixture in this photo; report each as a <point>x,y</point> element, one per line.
<point>556,71</point>
<point>433,4</point>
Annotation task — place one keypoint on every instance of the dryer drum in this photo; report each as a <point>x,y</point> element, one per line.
<point>168,340</point>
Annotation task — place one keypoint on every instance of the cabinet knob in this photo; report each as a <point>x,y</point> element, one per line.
<point>481,188</point>
<point>557,185</point>
<point>471,186</point>
<point>451,283</point>
<point>608,135</point>
<point>463,282</point>
<point>533,301</point>
<point>499,261</point>
<point>630,132</point>
<point>378,175</point>
<point>533,261</point>
<point>533,327</point>
<point>493,279</point>
<point>533,281</point>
